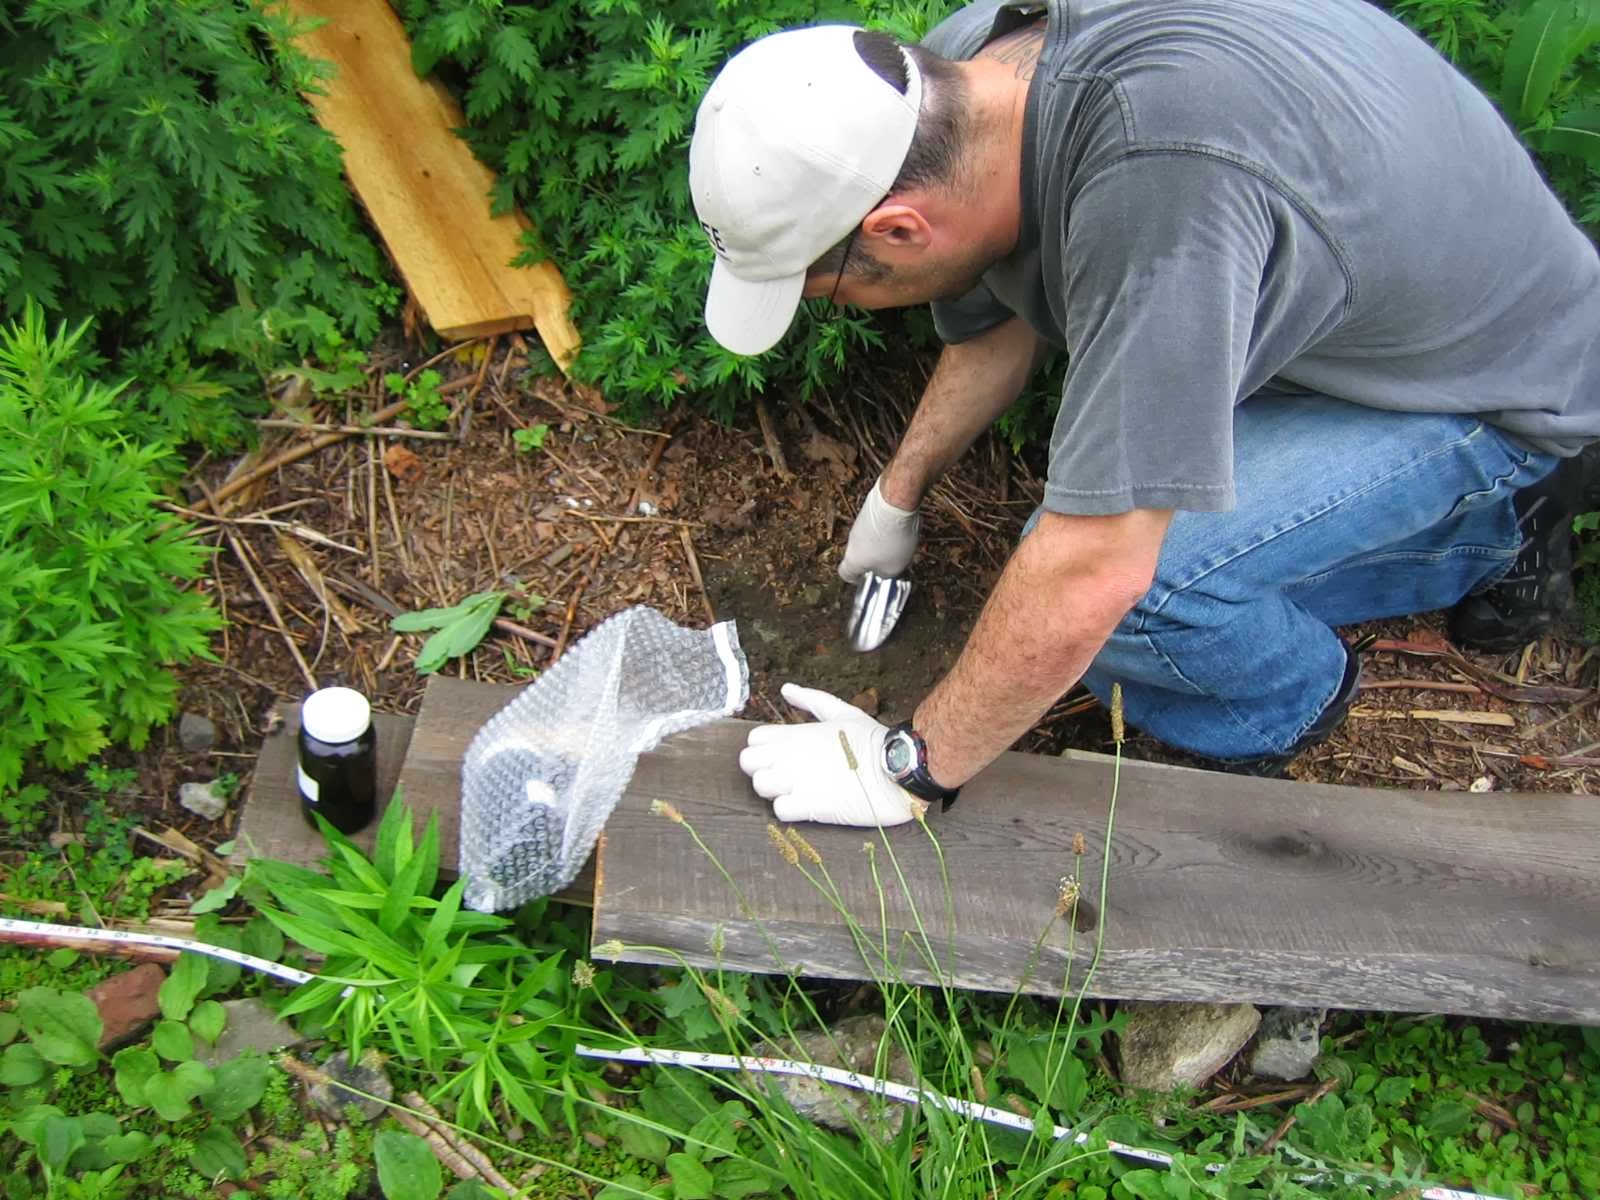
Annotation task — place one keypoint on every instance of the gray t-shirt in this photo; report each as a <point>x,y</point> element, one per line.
<point>1226,198</point>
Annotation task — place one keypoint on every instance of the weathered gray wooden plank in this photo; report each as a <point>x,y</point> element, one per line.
<point>1221,887</point>
<point>420,755</point>
<point>270,824</point>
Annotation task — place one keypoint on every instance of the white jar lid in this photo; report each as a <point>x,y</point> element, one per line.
<point>336,714</point>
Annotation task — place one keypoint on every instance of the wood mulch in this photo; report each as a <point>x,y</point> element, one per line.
<point>699,520</point>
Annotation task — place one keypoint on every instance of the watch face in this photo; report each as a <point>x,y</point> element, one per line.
<point>897,754</point>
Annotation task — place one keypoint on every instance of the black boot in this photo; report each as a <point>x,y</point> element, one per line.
<point>1276,766</point>
<point>1537,591</point>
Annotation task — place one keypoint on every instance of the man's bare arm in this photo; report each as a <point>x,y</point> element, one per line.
<point>973,384</point>
<point>1063,592</point>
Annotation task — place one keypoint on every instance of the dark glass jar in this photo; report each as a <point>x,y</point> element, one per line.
<point>338,759</point>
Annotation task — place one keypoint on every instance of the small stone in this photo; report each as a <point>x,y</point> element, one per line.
<point>366,1075</point>
<point>249,1025</point>
<point>867,701</point>
<point>196,733</point>
<point>852,1044</point>
<point>1289,1043</point>
<point>1170,1044</point>
<point>127,1003</point>
<point>202,801</point>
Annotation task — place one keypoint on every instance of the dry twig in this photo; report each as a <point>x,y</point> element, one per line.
<point>694,570</point>
<point>1271,1144</point>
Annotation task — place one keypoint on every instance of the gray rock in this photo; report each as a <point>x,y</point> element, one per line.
<point>1289,1043</point>
<point>251,1025</point>
<point>196,733</point>
<point>366,1074</point>
<point>852,1044</point>
<point>1170,1044</point>
<point>202,801</point>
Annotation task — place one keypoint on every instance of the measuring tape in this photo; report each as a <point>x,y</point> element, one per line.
<point>127,937</point>
<point>678,1058</point>
<point>911,1095</point>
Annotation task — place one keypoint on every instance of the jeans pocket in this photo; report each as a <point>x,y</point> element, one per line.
<point>1497,488</point>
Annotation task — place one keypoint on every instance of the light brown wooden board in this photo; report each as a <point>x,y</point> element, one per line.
<point>426,193</point>
<point>1221,888</point>
<point>421,756</point>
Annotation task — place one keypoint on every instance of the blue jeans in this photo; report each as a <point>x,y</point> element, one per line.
<point>1344,514</point>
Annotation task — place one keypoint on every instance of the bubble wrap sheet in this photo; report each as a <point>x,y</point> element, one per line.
<point>544,773</point>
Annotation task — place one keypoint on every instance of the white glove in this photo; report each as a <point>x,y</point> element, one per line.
<point>882,540</point>
<point>806,773</point>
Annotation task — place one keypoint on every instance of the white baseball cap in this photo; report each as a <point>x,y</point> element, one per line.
<point>796,141</point>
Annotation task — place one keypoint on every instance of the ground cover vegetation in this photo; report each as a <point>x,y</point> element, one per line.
<point>176,228</point>
<point>478,1020</point>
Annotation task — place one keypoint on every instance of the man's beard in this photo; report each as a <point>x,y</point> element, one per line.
<point>954,280</point>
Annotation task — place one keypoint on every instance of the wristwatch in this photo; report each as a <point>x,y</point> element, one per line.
<point>905,759</point>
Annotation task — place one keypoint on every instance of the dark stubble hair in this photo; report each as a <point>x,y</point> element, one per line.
<point>934,158</point>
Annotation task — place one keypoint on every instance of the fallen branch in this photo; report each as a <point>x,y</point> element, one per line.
<point>61,941</point>
<point>1460,715</point>
<point>769,435</point>
<point>272,609</point>
<point>694,570</point>
<point>1466,689</point>
<point>603,519</point>
<point>299,531</point>
<point>507,625</point>
<point>391,431</point>
<point>1493,682</point>
<point>1271,1144</point>
<point>292,455</point>
<point>461,1145</point>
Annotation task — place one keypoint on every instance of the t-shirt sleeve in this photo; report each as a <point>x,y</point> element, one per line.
<point>962,318</point>
<point>1166,262</point>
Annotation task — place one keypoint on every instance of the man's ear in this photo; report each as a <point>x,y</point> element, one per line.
<point>899,226</point>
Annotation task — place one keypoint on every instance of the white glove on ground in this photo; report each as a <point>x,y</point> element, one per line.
<point>882,540</point>
<point>805,772</point>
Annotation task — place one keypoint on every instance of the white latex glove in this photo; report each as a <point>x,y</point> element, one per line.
<point>804,771</point>
<point>882,540</point>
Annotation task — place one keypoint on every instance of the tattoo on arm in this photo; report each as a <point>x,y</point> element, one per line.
<point>1020,47</point>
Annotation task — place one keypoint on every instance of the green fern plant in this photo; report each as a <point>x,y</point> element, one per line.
<point>160,173</point>
<point>585,110</point>
<point>93,609</point>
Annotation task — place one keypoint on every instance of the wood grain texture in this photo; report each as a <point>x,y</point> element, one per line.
<point>426,193</point>
<point>421,756</point>
<point>1221,888</point>
<point>270,824</point>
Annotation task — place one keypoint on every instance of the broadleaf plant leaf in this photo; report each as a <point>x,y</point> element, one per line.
<point>64,1027</point>
<point>183,986</point>
<point>407,1169</point>
<point>1535,58</point>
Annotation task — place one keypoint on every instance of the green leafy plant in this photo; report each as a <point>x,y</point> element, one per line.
<point>585,110</point>
<point>95,607</point>
<point>163,175</point>
<point>407,1169</point>
<point>481,1014</point>
<point>530,438</point>
<point>70,1151</point>
<point>460,628</point>
<point>424,406</point>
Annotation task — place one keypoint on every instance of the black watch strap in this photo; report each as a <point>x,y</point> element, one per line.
<point>905,757</point>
